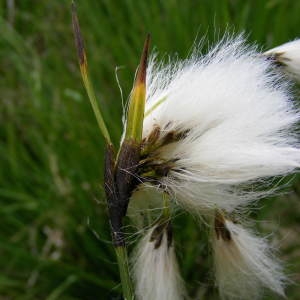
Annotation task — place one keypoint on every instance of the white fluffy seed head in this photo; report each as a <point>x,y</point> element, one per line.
<point>154,267</point>
<point>245,264</point>
<point>233,122</point>
<point>288,56</point>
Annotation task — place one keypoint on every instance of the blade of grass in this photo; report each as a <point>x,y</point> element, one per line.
<point>85,76</point>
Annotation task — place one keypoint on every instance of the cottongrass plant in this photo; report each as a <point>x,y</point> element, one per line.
<point>207,134</point>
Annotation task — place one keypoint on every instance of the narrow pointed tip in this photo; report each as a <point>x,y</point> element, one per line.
<point>77,36</point>
<point>141,75</point>
<point>136,110</point>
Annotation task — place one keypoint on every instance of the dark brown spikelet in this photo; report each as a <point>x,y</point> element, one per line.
<point>126,168</point>
<point>115,213</point>
<point>120,181</point>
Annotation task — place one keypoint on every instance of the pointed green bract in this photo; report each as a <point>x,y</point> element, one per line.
<point>135,116</point>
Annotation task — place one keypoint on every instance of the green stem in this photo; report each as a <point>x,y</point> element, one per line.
<point>96,109</point>
<point>167,206</point>
<point>123,264</point>
<point>158,103</point>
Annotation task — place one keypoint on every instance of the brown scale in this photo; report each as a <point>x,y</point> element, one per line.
<point>153,142</point>
<point>151,167</point>
<point>221,229</point>
<point>158,233</point>
<point>278,59</point>
<point>154,135</point>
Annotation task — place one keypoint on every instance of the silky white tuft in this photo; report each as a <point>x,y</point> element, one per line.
<point>154,266</point>
<point>288,56</point>
<point>244,264</point>
<point>222,122</point>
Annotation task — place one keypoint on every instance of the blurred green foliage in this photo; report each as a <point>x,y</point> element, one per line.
<point>54,234</point>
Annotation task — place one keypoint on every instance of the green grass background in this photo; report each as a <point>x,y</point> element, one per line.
<point>54,234</point>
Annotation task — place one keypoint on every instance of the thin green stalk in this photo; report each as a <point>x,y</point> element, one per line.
<point>167,206</point>
<point>96,109</point>
<point>157,104</point>
<point>123,264</point>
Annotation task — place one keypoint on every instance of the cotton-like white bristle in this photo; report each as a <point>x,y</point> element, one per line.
<point>288,55</point>
<point>234,119</point>
<point>155,270</point>
<point>244,265</point>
